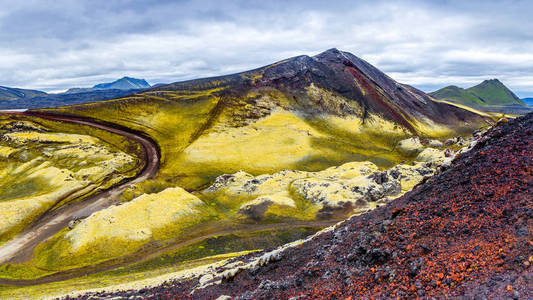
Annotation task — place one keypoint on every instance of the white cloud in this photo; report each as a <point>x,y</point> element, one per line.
<point>427,45</point>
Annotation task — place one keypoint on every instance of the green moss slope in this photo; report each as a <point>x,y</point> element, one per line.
<point>488,93</point>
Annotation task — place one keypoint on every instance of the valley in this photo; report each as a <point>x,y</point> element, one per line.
<point>225,166</point>
<point>21,248</point>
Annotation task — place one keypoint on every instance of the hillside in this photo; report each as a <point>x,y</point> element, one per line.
<point>488,93</point>
<point>464,234</point>
<point>12,94</point>
<point>528,101</point>
<point>246,161</point>
<point>305,113</point>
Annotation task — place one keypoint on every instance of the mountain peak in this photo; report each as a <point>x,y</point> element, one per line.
<point>489,92</point>
<point>124,83</point>
<point>332,51</point>
<point>331,55</point>
<point>493,81</point>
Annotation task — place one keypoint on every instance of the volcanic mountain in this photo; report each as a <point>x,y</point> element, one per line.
<point>300,113</point>
<point>364,89</point>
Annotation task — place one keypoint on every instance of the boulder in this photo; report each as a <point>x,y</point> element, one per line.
<point>257,208</point>
<point>435,144</point>
<point>410,146</point>
<point>431,155</point>
<point>450,141</point>
<point>409,176</point>
<point>449,152</point>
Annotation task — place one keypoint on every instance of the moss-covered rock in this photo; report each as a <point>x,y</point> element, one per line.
<point>141,219</point>
<point>431,155</point>
<point>410,146</point>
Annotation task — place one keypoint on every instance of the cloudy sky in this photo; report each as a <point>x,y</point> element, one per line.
<point>54,45</point>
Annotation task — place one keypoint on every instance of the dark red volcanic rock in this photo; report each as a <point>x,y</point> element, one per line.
<point>465,233</point>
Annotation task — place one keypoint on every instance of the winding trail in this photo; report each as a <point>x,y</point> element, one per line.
<point>21,248</point>
<point>152,252</point>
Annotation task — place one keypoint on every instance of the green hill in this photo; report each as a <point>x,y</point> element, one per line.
<point>488,93</point>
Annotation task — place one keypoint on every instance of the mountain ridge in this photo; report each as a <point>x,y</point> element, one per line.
<point>124,83</point>
<point>15,98</point>
<point>12,94</point>
<point>490,92</point>
<point>329,70</point>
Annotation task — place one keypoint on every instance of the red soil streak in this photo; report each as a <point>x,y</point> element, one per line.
<point>378,99</point>
<point>465,233</point>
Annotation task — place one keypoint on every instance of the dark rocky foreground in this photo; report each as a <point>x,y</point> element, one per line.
<point>465,233</point>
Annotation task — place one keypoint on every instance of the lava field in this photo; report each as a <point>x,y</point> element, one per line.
<point>464,233</point>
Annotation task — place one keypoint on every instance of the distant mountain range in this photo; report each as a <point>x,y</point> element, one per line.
<point>9,94</point>
<point>124,83</point>
<point>15,98</point>
<point>490,95</point>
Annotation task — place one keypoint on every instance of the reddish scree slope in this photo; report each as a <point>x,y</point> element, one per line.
<point>465,233</point>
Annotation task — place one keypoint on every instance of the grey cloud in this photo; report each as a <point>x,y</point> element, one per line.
<point>428,44</point>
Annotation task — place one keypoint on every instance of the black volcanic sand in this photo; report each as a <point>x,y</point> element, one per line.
<point>465,233</point>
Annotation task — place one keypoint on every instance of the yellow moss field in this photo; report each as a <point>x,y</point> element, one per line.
<point>278,140</point>
<point>42,169</point>
<point>111,281</point>
<point>6,151</point>
<point>119,230</point>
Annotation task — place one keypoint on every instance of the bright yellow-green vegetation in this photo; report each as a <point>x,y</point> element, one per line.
<point>493,115</point>
<point>173,122</point>
<point>287,158</point>
<point>286,195</point>
<point>279,140</point>
<point>172,264</point>
<point>41,169</point>
<point>204,131</point>
<point>119,230</point>
<point>126,280</point>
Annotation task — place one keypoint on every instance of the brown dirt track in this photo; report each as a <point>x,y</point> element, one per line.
<point>21,247</point>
